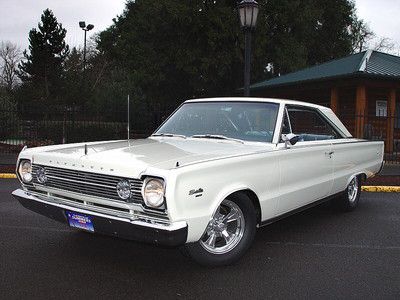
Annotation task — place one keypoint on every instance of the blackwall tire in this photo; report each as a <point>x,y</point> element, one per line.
<point>349,200</point>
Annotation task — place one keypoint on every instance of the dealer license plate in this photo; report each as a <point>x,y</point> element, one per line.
<point>80,221</point>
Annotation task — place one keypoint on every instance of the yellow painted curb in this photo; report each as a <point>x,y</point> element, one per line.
<point>7,176</point>
<point>381,189</point>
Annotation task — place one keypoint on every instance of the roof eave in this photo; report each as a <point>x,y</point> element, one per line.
<point>358,74</point>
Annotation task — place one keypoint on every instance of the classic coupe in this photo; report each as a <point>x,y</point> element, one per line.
<point>206,179</point>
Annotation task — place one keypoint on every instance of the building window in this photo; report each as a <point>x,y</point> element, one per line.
<point>397,116</point>
<point>381,108</point>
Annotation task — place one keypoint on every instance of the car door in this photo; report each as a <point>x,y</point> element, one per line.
<point>306,168</point>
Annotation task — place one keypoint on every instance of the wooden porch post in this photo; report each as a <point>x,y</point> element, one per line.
<point>390,121</point>
<point>334,100</point>
<point>361,112</point>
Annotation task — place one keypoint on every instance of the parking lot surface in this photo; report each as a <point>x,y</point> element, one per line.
<point>319,253</point>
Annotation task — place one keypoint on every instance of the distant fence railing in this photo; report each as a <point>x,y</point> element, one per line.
<point>377,128</point>
<point>55,126</point>
<point>49,127</point>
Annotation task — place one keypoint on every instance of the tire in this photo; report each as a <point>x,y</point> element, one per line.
<point>228,235</point>
<point>349,200</point>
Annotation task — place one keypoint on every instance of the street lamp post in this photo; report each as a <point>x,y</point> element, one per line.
<point>248,12</point>
<point>85,28</point>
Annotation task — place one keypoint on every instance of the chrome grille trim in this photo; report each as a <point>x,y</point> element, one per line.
<point>151,218</point>
<point>86,183</point>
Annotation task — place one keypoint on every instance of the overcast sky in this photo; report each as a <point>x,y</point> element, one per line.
<point>19,16</point>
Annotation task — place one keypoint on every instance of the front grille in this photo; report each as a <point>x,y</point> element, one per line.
<point>86,183</point>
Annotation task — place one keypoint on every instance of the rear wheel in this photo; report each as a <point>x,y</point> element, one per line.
<point>348,201</point>
<point>228,235</point>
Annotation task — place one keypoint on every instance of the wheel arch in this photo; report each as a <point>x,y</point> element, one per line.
<point>254,199</point>
<point>361,175</point>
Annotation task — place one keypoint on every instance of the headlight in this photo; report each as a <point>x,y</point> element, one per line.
<point>153,192</point>
<point>41,175</point>
<point>25,171</point>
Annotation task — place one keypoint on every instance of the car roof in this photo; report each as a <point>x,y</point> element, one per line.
<point>254,99</point>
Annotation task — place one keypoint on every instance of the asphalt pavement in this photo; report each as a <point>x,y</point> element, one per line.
<point>319,254</point>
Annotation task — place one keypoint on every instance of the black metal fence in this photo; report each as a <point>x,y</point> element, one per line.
<point>46,126</point>
<point>49,126</point>
<point>377,128</point>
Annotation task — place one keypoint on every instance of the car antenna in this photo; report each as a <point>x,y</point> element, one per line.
<point>128,119</point>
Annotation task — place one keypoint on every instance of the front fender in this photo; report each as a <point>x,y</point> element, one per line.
<point>202,214</point>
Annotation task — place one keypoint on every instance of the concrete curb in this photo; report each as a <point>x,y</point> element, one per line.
<point>7,176</point>
<point>379,189</point>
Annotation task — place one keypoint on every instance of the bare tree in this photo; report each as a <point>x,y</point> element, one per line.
<point>384,44</point>
<point>361,34</point>
<point>10,56</point>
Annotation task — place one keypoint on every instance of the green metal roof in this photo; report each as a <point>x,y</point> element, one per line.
<point>369,62</point>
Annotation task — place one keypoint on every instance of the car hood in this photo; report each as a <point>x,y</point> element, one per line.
<point>131,158</point>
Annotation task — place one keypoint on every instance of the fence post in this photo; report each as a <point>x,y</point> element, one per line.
<point>390,121</point>
<point>361,104</point>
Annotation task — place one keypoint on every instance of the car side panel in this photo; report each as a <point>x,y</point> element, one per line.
<point>306,174</point>
<point>218,179</point>
<point>353,156</point>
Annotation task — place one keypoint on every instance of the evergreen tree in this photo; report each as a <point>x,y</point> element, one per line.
<point>171,50</point>
<point>42,68</point>
<point>73,83</point>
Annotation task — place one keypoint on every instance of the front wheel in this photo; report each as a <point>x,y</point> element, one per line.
<point>228,235</point>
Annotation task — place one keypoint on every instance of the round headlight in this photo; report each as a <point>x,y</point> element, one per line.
<point>124,189</point>
<point>153,192</point>
<point>41,175</point>
<point>25,171</point>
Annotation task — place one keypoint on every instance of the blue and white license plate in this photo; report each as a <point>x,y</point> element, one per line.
<point>81,221</point>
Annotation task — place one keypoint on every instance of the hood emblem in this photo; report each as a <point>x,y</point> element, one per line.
<point>85,149</point>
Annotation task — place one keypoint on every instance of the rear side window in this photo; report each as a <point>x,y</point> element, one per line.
<point>309,125</point>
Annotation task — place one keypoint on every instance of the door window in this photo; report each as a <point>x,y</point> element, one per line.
<point>309,125</point>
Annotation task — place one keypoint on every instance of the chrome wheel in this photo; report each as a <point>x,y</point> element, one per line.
<point>352,190</point>
<point>225,230</point>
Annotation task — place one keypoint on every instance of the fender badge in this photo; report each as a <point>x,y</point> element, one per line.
<point>194,192</point>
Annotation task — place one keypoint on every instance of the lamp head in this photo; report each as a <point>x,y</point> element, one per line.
<point>248,12</point>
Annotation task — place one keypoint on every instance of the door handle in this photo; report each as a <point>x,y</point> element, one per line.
<point>330,153</point>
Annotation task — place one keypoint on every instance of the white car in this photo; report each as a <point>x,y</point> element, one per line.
<point>213,172</point>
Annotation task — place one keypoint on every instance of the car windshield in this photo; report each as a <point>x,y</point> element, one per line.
<point>246,121</point>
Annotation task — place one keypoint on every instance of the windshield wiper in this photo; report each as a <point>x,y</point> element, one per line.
<point>169,135</point>
<point>215,136</point>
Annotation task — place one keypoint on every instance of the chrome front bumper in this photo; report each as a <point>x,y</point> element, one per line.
<point>143,230</point>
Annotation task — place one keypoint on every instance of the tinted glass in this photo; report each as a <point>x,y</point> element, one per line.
<point>248,121</point>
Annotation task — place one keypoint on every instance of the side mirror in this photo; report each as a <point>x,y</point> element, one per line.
<point>290,139</point>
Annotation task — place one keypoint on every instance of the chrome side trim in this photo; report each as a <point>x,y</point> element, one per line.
<point>134,220</point>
